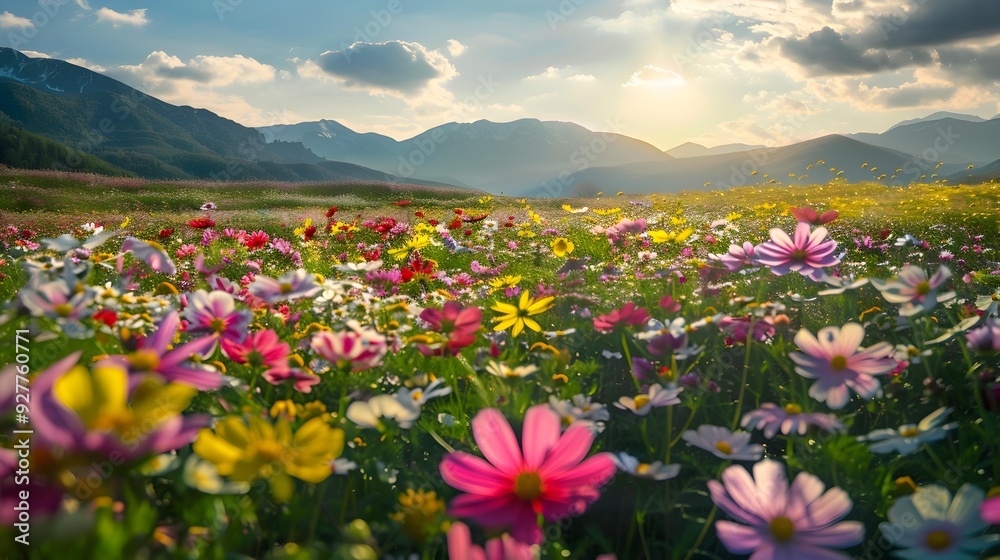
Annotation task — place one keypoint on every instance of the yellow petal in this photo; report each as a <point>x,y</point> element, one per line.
<point>518,327</point>
<point>217,451</point>
<point>75,391</point>
<point>531,324</point>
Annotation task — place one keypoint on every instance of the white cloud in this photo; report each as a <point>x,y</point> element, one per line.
<point>10,21</point>
<point>456,48</point>
<point>160,69</point>
<point>35,54</point>
<point>86,64</point>
<point>195,81</point>
<point>83,4</point>
<point>656,77</point>
<point>136,18</point>
<point>566,73</point>
<point>628,21</point>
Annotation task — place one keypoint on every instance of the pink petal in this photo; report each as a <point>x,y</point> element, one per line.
<point>809,344</point>
<point>842,535</point>
<point>496,440</point>
<point>738,539</point>
<point>469,473</point>
<point>593,472</point>
<point>772,485</point>
<point>542,427</point>
<point>571,448</point>
<point>829,508</point>
<point>850,339</point>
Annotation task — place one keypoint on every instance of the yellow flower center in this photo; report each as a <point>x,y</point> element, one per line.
<point>417,395</point>
<point>792,408</point>
<point>938,540</point>
<point>641,401</point>
<point>63,309</point>
<point>798,255</point>
<point>269,450</point>
<point>782,528</point>
<point>144,360</point>
<point>912,351</point>
<point>724,447</point>
<point>909,431</point>
<point>567,420</point>
<point>838,362</point>
<point>924,288</point>
<point>114,420</point>
<point>527,485</point>
<point>643,468</point>
<point>285,287</point>
<point>217,325</point>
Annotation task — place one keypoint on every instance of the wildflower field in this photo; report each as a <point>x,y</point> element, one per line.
<point>369,372</point>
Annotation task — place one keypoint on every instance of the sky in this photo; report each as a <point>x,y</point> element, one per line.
<point>769,72</point>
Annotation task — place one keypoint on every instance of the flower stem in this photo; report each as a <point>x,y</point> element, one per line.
<point>704,531</point>
<point>743,377</point>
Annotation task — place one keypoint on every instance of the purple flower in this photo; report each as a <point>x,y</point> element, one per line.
<point>986,338</point>
<point>214,313</point>
<point>771,418</point>
<point>781,522</point>
<point>153,357</point>
<point>292,285</point>
<point>738,256</point>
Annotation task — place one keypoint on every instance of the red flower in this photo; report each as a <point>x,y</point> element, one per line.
<point>165,233</point>
<point>106,316</point>
<point>467,232</point>
<point>418,214</point>
<point>629,314</point>
<point>256,240</point>
<point>203,222</point>
<point>419,269</point>
<point>331,211</point>
<point>402,203</point>
<point>309,232</point>
<point>459,324</point>
<point>433,222</point>
<point>478,218</point>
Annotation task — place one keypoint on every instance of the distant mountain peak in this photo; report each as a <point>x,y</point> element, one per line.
<point>939,116</point>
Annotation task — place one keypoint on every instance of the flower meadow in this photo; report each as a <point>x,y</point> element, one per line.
<point>775,373</point>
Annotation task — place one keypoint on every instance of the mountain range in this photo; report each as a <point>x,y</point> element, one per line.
<point>95,122</point>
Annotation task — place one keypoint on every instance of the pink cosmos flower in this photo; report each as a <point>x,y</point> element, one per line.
<point>738,256</point>
<point>781,522</point>
<point>458,323</point>
<point>835,359</point>
<point>460,546</point>
<point>914,290</point>
<point>302,381</point>
<point>358,348</point>
<point>629,314</point>
<point>806,253</point>
<point>214,313</point>
<point>510,489</point>
<point>260,349</point>
<point>790,419</point>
